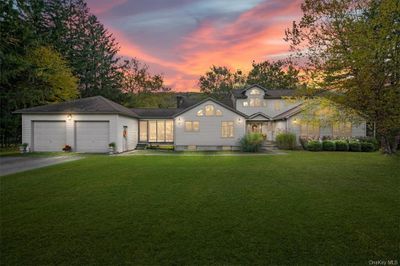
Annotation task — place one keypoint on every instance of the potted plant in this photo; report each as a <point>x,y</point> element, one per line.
<point>111,148</point>
<point>67,148</point>
<point>23,148</point>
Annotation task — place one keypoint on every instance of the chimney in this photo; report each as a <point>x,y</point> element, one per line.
<point>179,101</point>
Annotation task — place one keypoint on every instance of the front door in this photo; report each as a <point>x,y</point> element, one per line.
<point>264,128</point>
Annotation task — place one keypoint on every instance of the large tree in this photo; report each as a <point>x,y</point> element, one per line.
<point>138,79</point>
<point>353,46</point>
<point>274,75</point>
<point>220,80</point>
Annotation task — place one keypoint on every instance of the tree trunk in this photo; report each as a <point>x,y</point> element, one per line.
<point>386,145</point>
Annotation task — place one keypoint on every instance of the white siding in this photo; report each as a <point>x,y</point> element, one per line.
<point>210,128</point>
<point>132,138</point>
<point>116,123</point>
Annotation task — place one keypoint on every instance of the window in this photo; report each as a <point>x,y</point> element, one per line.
<point>227,129</point>
<point>210,111</point>
<point>143,131</point>
<point>192,126</point>
<point>309,129</point>
<point>342,129</point>
<point>254,92</point>
<point>152,131</point>
<point>255,102</point>
<point>169,131</point>
<point>245,103</point>
<point>160,131</point>
<point>156,131</point>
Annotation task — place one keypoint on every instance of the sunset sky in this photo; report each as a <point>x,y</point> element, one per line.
<point>183,38</point>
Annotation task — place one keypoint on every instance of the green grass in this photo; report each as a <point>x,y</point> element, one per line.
<point>300,208</point>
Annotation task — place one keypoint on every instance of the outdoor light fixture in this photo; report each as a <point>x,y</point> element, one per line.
<point>69,117</point>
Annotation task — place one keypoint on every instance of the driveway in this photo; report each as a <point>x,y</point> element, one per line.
<point>10,165</point>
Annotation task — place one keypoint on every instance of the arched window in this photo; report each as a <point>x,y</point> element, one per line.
<point>254,92</point>
<point>210,110</point>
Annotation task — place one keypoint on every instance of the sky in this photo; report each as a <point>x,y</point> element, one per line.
<point>182,39</point>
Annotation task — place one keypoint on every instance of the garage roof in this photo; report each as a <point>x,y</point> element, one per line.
<point>96,104</point>
<point>156,112</point>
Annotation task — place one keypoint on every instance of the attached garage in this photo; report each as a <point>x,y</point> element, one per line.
<point>92,136</point>
<point>86,125</point>
<point>48,135</point>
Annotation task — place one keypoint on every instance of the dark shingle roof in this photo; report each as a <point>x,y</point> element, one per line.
<point>157,112</point>
<point>96,104</point>
<point>191,100</point>
<point>269,93</point>
<point>295,110</point>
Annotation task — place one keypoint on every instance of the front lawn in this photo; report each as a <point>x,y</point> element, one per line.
<point>300,208</point>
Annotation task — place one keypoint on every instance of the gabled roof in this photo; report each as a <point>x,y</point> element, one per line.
<point>156,112</point>
<point>90,105</point>
<point>291,112</point>
<point>215,101</point>
<point>259,114</point>
<point>269,93</point>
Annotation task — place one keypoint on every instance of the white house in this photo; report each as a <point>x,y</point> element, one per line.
<point>90,124</point>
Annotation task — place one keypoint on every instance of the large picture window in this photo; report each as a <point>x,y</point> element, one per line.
<point>143,131</point>
<point>209,110</point>
<point>309,129</point>
<point>156,131</point>
<point>227,129</point>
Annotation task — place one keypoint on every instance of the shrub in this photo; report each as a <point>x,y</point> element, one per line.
<point>355,146</point>
<point>367,147</point>
<point>303,142</point>
<point>314,145</point>
<point>286,141</point>
<point>341,145</point>
<point>328,145</point>
<point>112,145</point>
<point>251,142</point>
<point>371,140</point>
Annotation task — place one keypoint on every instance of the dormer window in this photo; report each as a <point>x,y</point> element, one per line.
<point>255,92</point>
<point>209,110</point>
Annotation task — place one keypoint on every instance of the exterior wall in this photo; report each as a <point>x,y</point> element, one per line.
<point>133,133</point>
<point>209,134</point>
<point>358,130</point>
<point>268,106</point>
<point>114,134</point>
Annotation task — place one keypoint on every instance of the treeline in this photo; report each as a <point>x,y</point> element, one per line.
<point>56,50</point>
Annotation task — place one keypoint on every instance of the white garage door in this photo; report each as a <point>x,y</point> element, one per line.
<point>92,136</point>
<point>49,135</point>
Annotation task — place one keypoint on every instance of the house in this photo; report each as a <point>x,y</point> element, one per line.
<point>90,124</point>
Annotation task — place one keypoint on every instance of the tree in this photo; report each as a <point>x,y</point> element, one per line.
<point>355,47</point>
<point>273,75</point>
<point>137,79</point>
<point>219,81</point>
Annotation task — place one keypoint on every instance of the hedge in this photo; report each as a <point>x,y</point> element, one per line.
<point>286,141</point>
<point>314,145</point>
<point>355,146</point>
<point>341,145</point>
<point>328,145</point>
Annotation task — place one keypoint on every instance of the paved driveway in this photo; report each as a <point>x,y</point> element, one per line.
<point>10,165</point>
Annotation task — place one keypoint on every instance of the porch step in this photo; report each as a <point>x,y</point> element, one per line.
<point>141,146</point>
<point>269,145</point>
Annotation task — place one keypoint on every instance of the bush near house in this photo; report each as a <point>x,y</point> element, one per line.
<point>303,142</point>
<point>328,145</point>
<point>251,142</point>
<point>341,145</point>
<point>314,145</point>
<point>367,147</point>
<point>286,141</point>
<point>370,140</point>
<point>355,146</point>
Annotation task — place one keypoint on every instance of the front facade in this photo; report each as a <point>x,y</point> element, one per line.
<point>91,124</point>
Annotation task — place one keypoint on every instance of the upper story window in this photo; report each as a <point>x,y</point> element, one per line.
<point>209,110</point>
<point>255,102</point>
<point>277,106</point>
<point>255,92</point>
